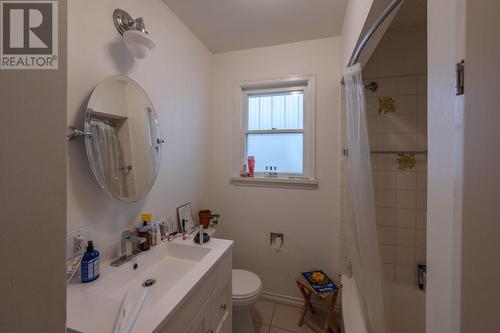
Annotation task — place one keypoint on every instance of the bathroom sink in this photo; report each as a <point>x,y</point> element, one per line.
<point>166,265</point>
<point>146,290</point>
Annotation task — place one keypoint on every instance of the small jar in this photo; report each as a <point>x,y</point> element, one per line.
<point>243,172</point>
<point>147,244</point>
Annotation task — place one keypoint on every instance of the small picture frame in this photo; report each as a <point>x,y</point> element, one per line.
<point>185,214</point>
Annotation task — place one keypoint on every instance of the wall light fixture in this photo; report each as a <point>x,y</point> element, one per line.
<point>134,33</point>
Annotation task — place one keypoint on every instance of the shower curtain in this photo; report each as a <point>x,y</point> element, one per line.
<point>106,154</point>
<point>363,249</point>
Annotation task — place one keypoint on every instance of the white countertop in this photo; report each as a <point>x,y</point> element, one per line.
<point>91,312</point>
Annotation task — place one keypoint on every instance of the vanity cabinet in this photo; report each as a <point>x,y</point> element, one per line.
<point>213,316</point>
<point>219,310</point>
<point>200,323</point>
<point>208,307</point>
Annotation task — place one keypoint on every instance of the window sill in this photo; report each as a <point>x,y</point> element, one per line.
<point>292,183</point>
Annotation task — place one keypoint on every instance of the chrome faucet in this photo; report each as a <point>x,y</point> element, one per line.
<point>127,253</point>
<point>128,240</point>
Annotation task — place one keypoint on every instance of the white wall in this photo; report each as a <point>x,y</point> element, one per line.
<point>33,195</point>
<point>354,20</point>
<point>480,271</point>
<point>445,48</point>
<point>401,52</point>
<point>176,76</point>
<point>376,9</point>
<point>309,219</point>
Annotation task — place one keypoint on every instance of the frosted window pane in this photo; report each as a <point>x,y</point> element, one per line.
<point>253,113</point>
<point>285,151</point>
<point>279,111</point>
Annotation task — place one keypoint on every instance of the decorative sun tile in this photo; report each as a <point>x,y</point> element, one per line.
<point>386,105</point>
<point>406,161</point>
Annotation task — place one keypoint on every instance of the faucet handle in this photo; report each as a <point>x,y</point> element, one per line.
<point>125,235</point>
<point>128,238</point>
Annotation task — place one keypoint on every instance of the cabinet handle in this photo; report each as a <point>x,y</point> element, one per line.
<point>223,307</point>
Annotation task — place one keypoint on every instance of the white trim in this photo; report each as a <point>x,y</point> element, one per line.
<point>274,131</point>
<point>297,302</point>
<point>293,183</point>
<point>278,82</point>
<point>307,83</point>
<point>283,299</point>
<point>275,90</point>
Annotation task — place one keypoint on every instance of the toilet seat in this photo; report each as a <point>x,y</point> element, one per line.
<point>247,287</point>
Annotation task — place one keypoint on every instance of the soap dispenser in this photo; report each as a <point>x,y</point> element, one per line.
<point>90,264</point>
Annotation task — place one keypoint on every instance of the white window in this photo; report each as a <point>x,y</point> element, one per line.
<point>276,123</point>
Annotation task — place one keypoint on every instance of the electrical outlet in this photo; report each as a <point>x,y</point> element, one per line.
<point>78,245</point>
<point>76,241</point>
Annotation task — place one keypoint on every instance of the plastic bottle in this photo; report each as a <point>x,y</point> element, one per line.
<point>90,264</point>
<point>158,234</point>
<point>251,166</point>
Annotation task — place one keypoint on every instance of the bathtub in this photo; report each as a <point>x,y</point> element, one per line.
<point>354,321</point>
<point>407,308</point>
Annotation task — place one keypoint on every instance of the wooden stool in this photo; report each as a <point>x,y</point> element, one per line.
<point>328,299</point>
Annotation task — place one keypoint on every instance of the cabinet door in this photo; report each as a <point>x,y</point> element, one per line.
<point>220,308</point>
<point>200,323</point>
<point>226,325</point>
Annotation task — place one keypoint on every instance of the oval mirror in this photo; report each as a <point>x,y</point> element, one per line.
<point>122,138</point>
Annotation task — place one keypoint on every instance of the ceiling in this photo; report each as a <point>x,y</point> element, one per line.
<point>228,25</point>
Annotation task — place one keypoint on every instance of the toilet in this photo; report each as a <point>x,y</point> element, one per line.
<point>247,289</point>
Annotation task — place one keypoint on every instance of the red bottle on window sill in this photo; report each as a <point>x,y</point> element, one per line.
<point>251,166</point>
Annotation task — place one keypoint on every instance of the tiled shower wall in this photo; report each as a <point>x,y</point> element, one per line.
<point>400,195</point>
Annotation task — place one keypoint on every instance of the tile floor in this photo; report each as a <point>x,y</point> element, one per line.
<point>272,317</point>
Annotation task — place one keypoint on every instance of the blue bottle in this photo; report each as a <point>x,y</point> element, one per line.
<point>90,264</point>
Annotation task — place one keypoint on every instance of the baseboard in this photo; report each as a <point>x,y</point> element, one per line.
<point>282,299</point>
<point>295,301</point>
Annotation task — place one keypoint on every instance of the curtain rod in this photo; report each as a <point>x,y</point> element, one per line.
<point>378,22</point>
<point>345,152</point>
<point>418,152</point>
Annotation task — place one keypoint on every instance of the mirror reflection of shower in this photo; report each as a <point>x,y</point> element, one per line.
<point>124,145</point>
<point>112,142</point>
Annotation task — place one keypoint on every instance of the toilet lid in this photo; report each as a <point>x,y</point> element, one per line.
<point>245,284</point>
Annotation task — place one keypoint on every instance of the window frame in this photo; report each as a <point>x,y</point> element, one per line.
<point>246,94</point>
<point>243,90</point>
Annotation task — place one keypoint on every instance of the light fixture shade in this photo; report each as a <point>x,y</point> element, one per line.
<point>139,43</point>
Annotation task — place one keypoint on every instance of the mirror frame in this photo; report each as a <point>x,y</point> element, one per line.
<point>88,141</point>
